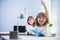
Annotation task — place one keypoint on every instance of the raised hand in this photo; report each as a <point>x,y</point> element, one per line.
<point>46,11</point>
<point>42,2</point>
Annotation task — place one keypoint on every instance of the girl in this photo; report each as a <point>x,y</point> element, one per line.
<point>31,24</point>
<point>42,20</point>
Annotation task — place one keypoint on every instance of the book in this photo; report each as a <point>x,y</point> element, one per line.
<point>38,33</point>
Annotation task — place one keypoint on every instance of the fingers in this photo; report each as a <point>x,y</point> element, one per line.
<point>42,2</point>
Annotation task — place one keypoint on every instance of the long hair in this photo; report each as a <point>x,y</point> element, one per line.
<point>41,14</point>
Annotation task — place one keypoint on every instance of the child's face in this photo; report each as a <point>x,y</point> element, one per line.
<point>41,20</point>
<point>31,21</point>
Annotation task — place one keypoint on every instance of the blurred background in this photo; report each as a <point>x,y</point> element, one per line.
<point>11,10</point>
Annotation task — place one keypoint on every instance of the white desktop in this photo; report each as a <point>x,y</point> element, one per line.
<point>26,37</point>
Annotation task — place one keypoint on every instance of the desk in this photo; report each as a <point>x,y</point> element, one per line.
<point>32,38</point>
<point>24,36</point>
<point>8,33</point>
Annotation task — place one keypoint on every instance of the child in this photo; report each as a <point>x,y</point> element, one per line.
<point>42,20</point>
<point>31,27</point>
<point>31,24</point>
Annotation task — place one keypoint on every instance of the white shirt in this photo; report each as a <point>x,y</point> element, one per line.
<point>41,29</point>
<point>29,28</point>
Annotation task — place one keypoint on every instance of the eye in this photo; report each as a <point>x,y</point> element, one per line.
<point>39,17</point>
<point>30,19</point>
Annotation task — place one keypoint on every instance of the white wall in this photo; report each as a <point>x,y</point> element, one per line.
<point>58,19</point>
<point>9,12</point>
<point>10,9</point>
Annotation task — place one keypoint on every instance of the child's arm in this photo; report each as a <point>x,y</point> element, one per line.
<point>46,11</point>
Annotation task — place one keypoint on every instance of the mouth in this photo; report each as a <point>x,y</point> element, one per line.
<point>41,21</point>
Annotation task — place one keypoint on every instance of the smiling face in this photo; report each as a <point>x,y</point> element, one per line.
<point>41,19</point>
<point>30,20</point>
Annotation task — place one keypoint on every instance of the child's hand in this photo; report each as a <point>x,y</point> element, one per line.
<point>42,2</point>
